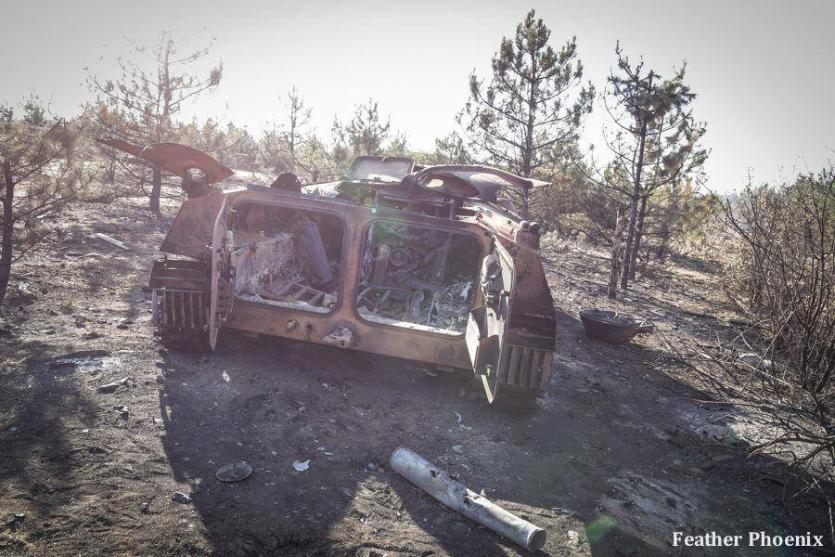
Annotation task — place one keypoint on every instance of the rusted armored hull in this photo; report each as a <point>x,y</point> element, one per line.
<point>440,278</point>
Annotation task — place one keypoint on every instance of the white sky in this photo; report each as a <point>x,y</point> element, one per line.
<point>763,70</point>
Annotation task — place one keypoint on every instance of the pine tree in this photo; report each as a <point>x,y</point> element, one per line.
<point>365,134</point>
<point>282,144</point>
<point>451,149</point>
<point>654,144</point>
<point>532,106</point>
<point>141,105</point>
<point>39,175</point>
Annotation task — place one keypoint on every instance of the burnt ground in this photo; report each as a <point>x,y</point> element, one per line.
<point>617,455</point>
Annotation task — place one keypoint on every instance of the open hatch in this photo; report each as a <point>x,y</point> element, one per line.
<point>487,323</point>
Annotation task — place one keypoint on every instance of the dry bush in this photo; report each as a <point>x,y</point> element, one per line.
<point>573,206</point>
<point>40,174</point>
<point>680,220</point>
<point>782,271</point>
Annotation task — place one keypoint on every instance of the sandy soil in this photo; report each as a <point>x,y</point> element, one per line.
<point>616,456</point>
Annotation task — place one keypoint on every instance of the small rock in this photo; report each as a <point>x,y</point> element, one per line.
<point>23,295</point>
<point>112,386</point>
<point>753,359</point>
<point>458,448</point>
<point>180,497</point>
<point>13,519</point>
<point>301,466</point>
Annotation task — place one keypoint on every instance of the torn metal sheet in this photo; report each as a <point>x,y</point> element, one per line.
<point>175,158</point>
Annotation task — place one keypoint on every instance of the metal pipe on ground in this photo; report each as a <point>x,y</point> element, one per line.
<point>456,496</point>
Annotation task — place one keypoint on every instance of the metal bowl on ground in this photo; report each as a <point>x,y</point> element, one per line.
<point>611,326</point>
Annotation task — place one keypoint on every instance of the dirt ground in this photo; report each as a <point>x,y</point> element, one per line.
<point>617,455</point>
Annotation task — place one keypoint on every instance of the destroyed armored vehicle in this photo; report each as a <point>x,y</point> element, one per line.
<point>425,263</point>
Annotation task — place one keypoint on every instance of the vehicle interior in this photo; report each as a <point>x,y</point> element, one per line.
<point>286,257</point>
<point>418,277</point>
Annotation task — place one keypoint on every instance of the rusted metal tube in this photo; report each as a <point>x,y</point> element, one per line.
<point>310,243</point>
<point>456,496</point>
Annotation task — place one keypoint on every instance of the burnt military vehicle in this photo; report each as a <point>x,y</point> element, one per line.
<point>418,262</point>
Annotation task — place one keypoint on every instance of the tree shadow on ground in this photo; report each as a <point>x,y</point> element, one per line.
<point>42,400</point>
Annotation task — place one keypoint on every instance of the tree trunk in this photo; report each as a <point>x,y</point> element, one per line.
<point>163,124</point>
<point>156,188</point>
<point>528,153</point>
<point>616,247</point>
<point>633,207</point>
<point>636,193</point>
<point>7,234</point>
<point>639,234</point>
<point>630,237</point>
<point>524,205</point>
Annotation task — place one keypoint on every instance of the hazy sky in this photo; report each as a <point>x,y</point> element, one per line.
<point>763,70</point>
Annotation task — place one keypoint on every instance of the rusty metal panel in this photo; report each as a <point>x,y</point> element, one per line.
<point>218,280</point>
<point>191,232</point>
<point>175,158</point>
